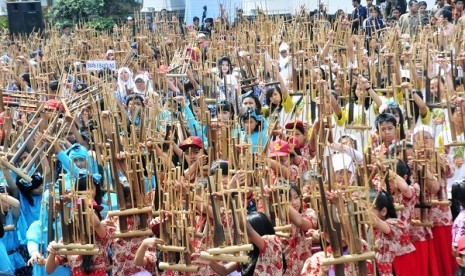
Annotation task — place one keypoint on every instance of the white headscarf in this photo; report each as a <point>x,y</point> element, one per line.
<point>123,86</point>
<point>148,85</point>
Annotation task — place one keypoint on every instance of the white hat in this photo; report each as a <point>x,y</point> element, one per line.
<point>201,35</point>
<point>424,128</point>
<point>343,161</point>
<point>130,18</point>
<point>243,53</point>
<point>283,47</point>
<point>405,73</point>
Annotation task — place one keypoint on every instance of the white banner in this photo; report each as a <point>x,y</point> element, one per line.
<point>95,65</point>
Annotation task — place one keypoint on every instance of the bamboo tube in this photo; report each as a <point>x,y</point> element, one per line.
<point>230,249</point>
<point>134,233</point>
<point>180,249</point>
<point>17,171</point>
<point>179,267</point>
<point>283,228</point>
<point>77,252</point>
<point>440,202</point>
<point>8,228</point>
<point>420,223</point>
<point>348,258</point>
<point>224,257</point>
<point>72,246</point>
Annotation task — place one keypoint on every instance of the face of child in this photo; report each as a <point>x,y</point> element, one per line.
<point>249,125</point>
<point>132,105</point>
<point>80,162</point>
<point>124,75</point>
<point>225,67</point>
<point>300,137</point>
<point>295,200</point>
<point>342,177</point>
<point>225,115</point>
<point>347,141</point>
<point>275,98</point>
<point>387,131</point>
<point>192,154</point>
<point>140,84</point>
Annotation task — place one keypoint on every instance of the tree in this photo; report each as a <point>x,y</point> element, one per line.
<point>98,14</point>
<point>120,7</point>
<point>75,10</point>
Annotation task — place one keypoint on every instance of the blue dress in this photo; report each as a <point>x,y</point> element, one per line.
<point>29,214</point>
<point>38,234</point>
<point>11,243</point>
<point>6,268</point>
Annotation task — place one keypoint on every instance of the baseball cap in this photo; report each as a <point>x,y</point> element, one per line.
<point>297,124</point>
<point>279,148</point>
<point>192,141</point>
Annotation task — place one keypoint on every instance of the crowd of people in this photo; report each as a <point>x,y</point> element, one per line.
<point>301,145</point>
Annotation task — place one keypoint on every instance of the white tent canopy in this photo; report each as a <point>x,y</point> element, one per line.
<point>195,7</point>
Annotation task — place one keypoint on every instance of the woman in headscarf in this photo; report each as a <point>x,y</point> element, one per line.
<point>143,85</point>
<point>125,84</point>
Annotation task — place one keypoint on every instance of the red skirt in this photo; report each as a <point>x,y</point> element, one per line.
<point>426,258</point>
<point>406,265</point>
<point>442,247</point>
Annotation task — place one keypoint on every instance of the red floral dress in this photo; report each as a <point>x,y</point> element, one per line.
<point>206,241</point>
<point>100,261</point>
<point>298,248</point>
<point>270,261</point>
<point>124,252</point>
<point>416,233</point>
<point>392,245</point>
<point>440,214</point>
<point>312,265</point>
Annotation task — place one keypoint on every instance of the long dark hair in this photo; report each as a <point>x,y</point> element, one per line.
<point>220,61</point>
<point>262,225</point>
<point>25,188</point>
<point>403,169</point>
<point>299,193</point>
<point>269,94</point>
<point>383,200</point>
<point>458,197</point>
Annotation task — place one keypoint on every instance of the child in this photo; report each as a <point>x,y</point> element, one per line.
<point>394,251</point>
<point>460,259</point>
<point>458,211</point>
<point>281,162</point>
<point>267,256</point>
<point>386,130</point>
<point>87,264</point>
<point>298,248</point>
<point>252,132</point>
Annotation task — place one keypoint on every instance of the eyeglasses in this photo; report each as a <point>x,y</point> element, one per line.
<point>79,159</point>
<point>392,105</point>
